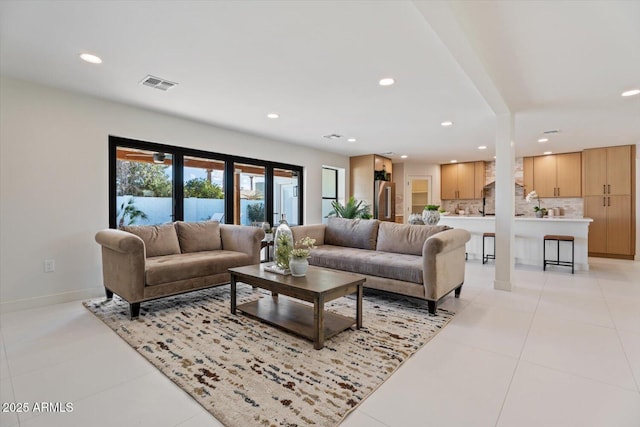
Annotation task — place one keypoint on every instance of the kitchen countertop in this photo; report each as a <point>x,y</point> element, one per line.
<point>518,218</point>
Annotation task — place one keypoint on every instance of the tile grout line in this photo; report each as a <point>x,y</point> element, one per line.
<point>519,358</point>
<point>636,381</point>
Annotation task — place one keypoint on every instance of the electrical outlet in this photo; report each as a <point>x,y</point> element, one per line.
<point>49,265</point>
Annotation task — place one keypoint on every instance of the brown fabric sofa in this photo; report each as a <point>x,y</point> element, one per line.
<point>421,261</point>
<point>141,263</point>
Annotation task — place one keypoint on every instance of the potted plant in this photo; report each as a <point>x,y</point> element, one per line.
<point>352,209</point>
<point>540,211</point>
<point>298,264</point>
<point>430,214</point>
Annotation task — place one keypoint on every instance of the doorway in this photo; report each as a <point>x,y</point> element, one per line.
<point>419,193</point>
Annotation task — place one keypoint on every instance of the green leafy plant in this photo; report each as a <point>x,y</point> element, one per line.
<point>202,189</point>
<point>431,207</point>
<point>352,209</point>
<point>284,246</point>
<point>255,212</point>
<point>129,212</point>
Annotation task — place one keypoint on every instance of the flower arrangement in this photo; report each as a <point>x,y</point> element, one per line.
<point>303,247</point>
<point>431,207</point>
<point>533,195</point>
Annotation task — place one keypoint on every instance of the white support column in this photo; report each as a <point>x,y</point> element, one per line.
<point>505,201</point>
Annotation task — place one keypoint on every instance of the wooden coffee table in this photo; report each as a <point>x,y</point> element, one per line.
<point>318,286</point>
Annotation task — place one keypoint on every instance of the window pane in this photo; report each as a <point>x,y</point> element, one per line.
<point>249,194</point>
<point>144,187</point>
<point>326,208</point>
<point>329,183</point>
<point>286,196</point>
<point>203,189</point>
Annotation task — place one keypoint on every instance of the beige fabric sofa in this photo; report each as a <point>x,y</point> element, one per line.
<point>141,263</point>
<point>421,261</point>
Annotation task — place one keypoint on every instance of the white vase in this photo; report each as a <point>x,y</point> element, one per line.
<point>298,266</point>
<point>430,217</point>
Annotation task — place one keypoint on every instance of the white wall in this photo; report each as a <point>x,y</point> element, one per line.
<point>54,182</point>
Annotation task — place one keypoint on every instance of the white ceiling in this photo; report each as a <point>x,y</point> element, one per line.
<point>556,64</point>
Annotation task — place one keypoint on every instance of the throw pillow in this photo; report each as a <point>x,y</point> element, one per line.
<point>352,233</point>
<point>158,239</point>
<point>199,236</point>
<point>405,239</point>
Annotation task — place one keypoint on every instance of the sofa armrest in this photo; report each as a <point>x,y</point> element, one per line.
<point>314,231</point>
<point>123,263</point>
<point>443,262</point>
<point>241,238</point>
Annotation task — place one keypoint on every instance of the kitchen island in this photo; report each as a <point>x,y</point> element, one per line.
<point>528,232</point>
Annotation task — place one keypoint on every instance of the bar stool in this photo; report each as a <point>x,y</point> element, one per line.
<point>487,257</point>
<point>557,239</point>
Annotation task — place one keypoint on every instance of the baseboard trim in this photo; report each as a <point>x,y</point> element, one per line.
<point>28,303</point>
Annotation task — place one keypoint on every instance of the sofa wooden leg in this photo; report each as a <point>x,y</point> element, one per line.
<point>108,293</point>
<point>457,291</point>
<point>432,307</point>
<point>134,310</point>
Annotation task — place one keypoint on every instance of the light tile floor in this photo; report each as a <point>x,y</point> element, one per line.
<point>558,350</point>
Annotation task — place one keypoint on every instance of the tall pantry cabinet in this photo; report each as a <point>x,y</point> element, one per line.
<point>609,191</point>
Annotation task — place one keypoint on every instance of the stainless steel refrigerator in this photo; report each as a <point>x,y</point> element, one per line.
<point>384,205</point>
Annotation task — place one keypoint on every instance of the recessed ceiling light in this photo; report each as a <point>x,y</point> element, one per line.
<point>273,115</point>
<point>404,156</point>
<point>631,92</point>
<point>482,147</point>
<point>453,161</point>
<point>351,140</point>
<point>548,152</point>
<point>494,157</point>
<point>387,81</point>
<point>90,58</point>
<point>447,123</point>
<point>543,140</point>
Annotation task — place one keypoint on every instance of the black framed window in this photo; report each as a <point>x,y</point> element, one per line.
<point>152,183</point>
<point>329,190</point>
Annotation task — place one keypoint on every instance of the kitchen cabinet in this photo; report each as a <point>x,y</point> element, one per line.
<point>607,171</point>
<point>479,180</point>
<point>609,199</point>
<point>458,181</point>
<point>557,175</point>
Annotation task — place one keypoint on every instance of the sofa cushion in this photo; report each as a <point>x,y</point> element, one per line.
<point>199,236</point>
<point>353,233</point>
<point>407,268</point>
<point>158,239</point>
<point>173,268</point>
<point>405,238</point>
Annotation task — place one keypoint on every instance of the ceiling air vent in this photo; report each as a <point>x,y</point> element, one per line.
<point>157,82</point>
<point>333,136</point>
<point>551,132</point>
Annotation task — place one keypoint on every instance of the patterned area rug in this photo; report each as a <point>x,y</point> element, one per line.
<point>247,373</point>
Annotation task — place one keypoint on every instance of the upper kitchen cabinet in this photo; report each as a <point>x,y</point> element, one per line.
<point>607,171</point>
<point>458,180</point>
<point>556,175</point>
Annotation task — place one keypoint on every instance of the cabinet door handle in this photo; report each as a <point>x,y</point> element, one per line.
<point>604,201</point>
<point>558,191</point>
<point>608,188</point>
<point>608,201</point>
<point>604,189</point>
